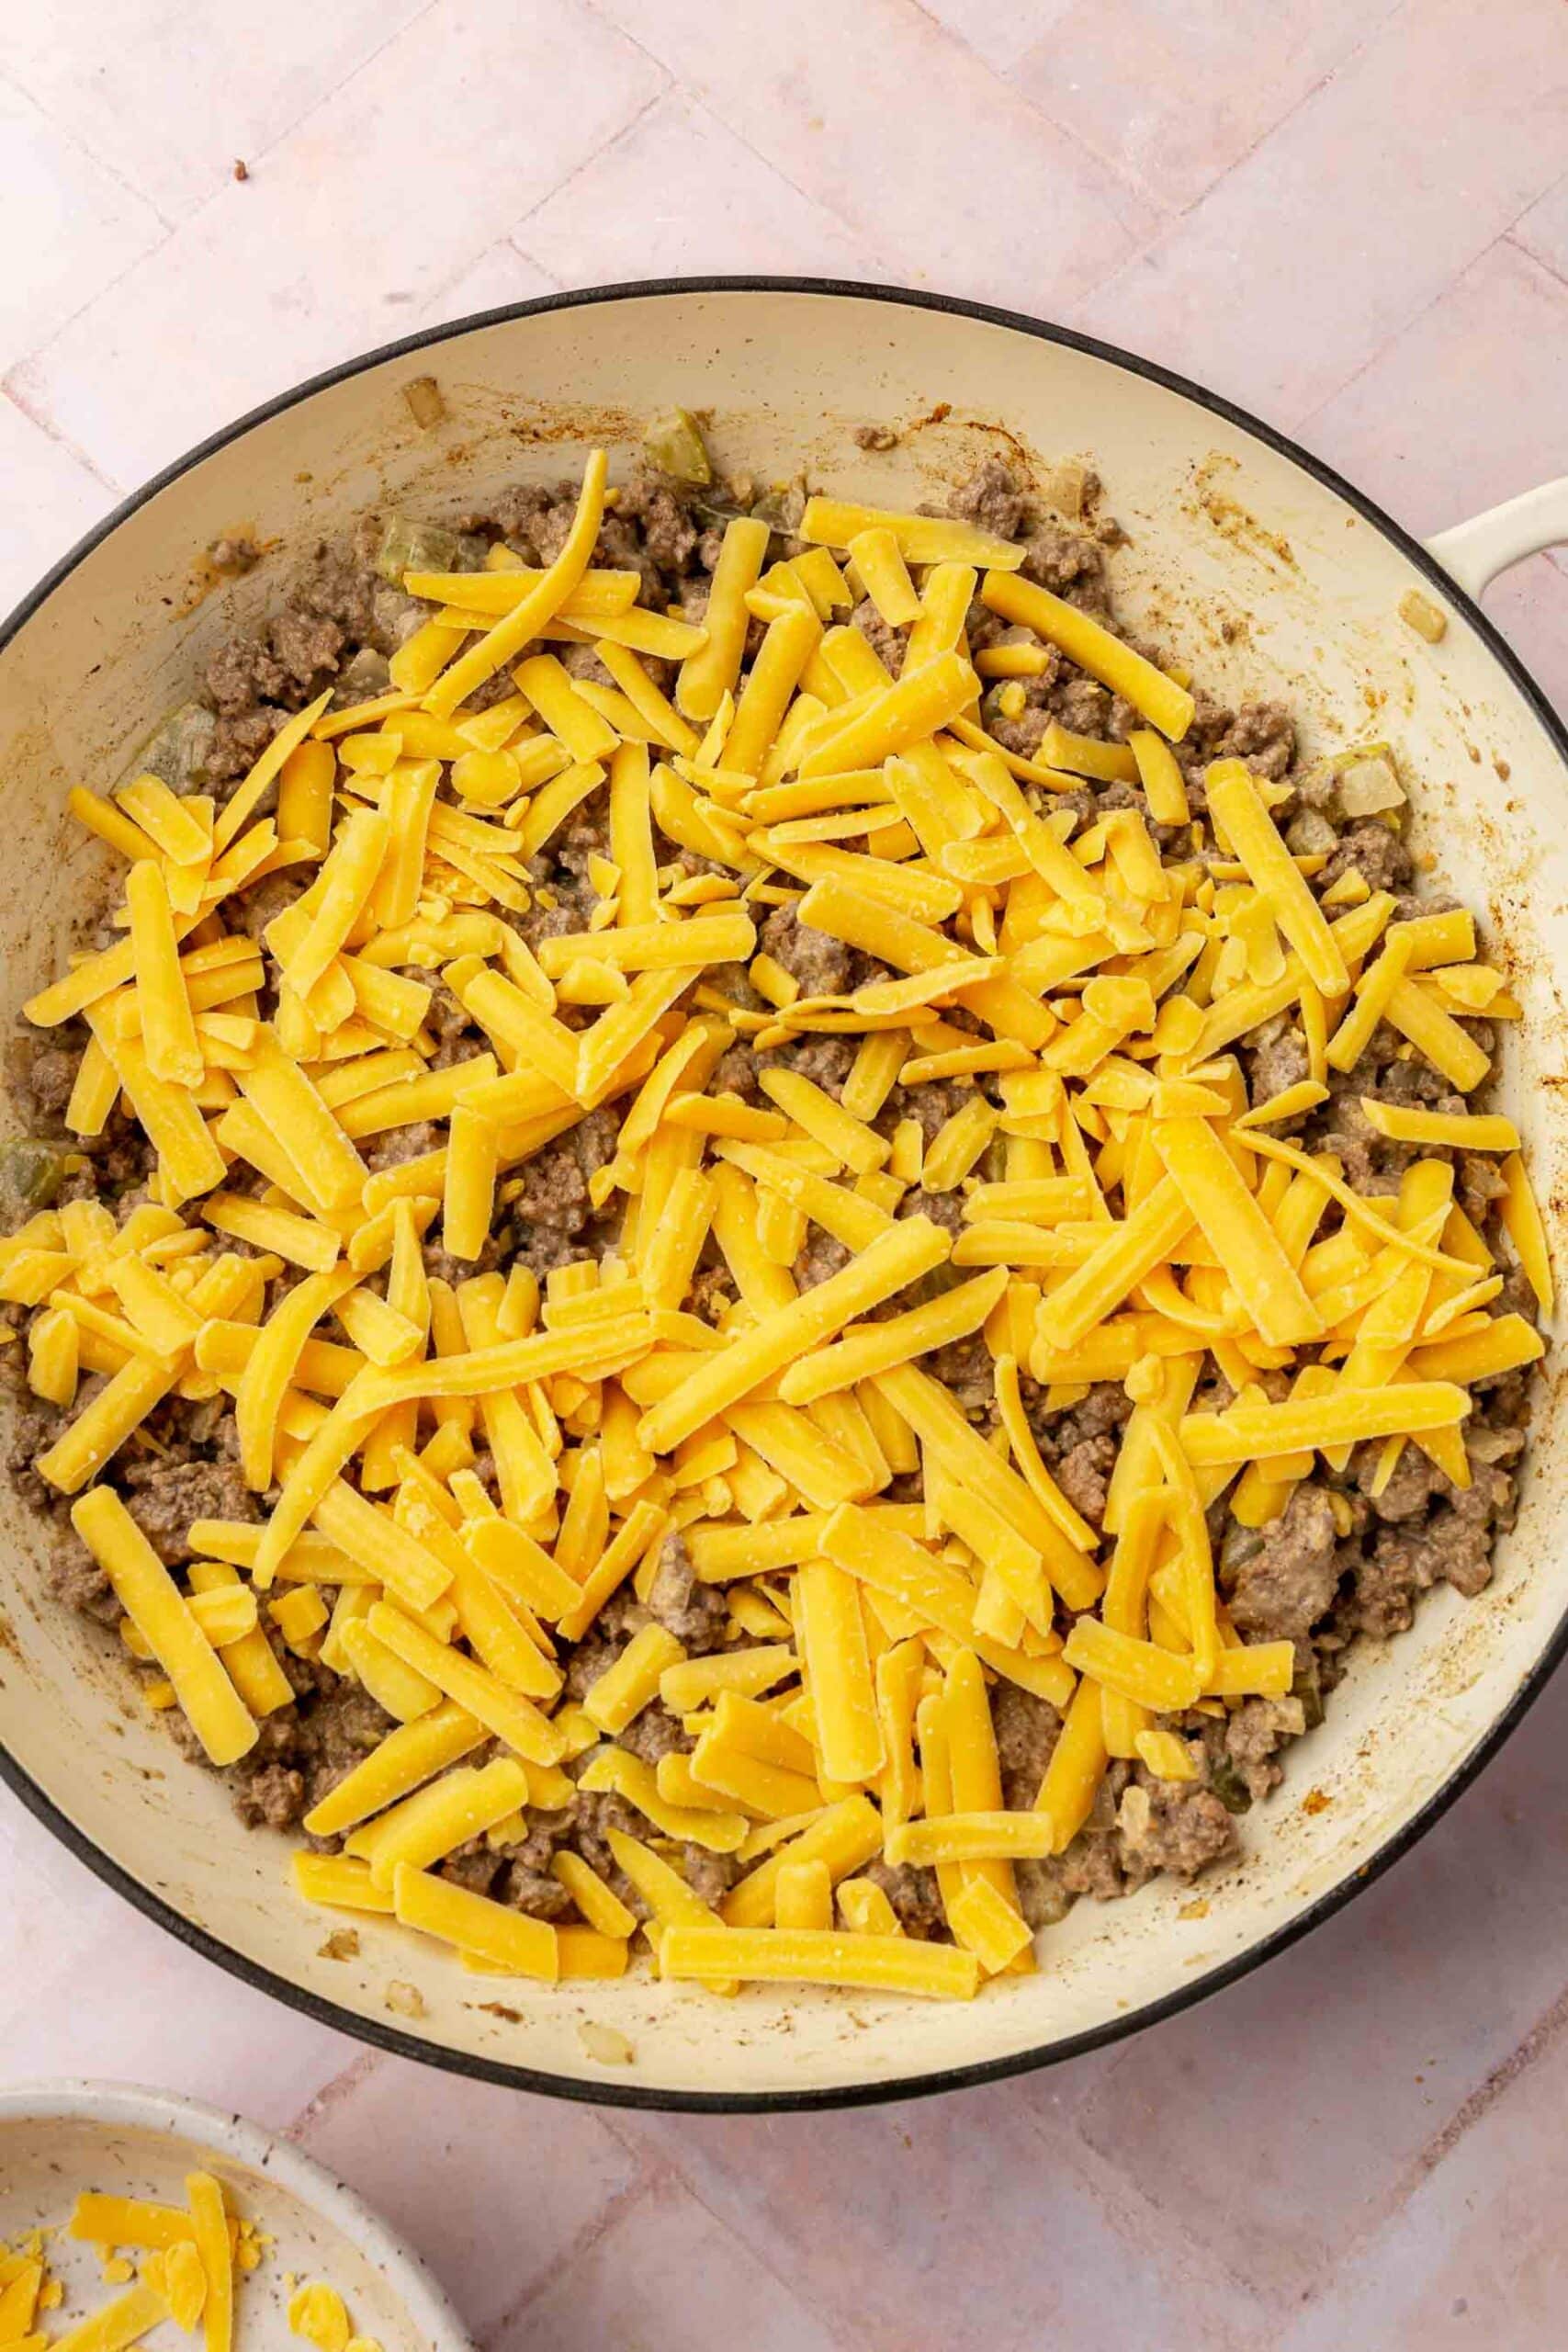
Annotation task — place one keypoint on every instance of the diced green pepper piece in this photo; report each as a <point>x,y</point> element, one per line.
<point>781,507</point>
<point>1307,1687</point>
<point>408,546</point>
<point>31,1174</point>
<point>364,677</point>
<point>178,749</point>
<point>1229,1786</point>
<point>676,446</point>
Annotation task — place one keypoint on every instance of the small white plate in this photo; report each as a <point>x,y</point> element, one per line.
<point>59,2138</point>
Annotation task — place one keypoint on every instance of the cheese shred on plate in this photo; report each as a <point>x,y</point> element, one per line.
<point>759,1185</point>
<point>167,2265</point>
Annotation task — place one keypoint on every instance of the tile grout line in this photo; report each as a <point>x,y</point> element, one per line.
<point>175,228</point>
<point>644,2184</point>
<point>533,260</point>
<point>1356,49</point>
<point>1120,2199</point>
<point>696,99</point>
<point>1529,252</point>
<point>339,2086</point>
<point>1125,181</point>
<point>1397,335</point>
<point>672,2166</point>
<point>19,367</point>
<point>1529,205</point>
<point>1184,211</point>
<point>99,163</point>
<point>1542,2037</point>
<point>328,98</point>
<point>506,238</point>
<point>50,430</point>
<point>606,147</point>
<point>284,131</point>
<point>16,376</point>
<point>1367,2233</point>
<point>1505,236</point>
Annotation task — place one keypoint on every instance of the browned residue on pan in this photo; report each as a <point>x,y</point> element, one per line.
<point>939,415</point>
<point>543,424</point>
<point>238,549</point>
<point>959,442</point>
<point>1233,522</point>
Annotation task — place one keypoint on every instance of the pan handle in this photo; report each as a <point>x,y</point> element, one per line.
<point>1474,553</point>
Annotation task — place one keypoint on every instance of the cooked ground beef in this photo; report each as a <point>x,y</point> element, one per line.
<point>966,1368</point>
<point>655,1732</point>
<point>1174,1826</point>
<point>1452,1545</point>
<point>1276,1060</point>
<point>710,1876</point>
<point>1285,1585</point>
<point>822,1257</point>
<point>306,1749</point>
<point>885,641</point>
<point>930,1107</point>
<point>1065,561</point>
<point>826,1062</point>
<point>1252,1736</point>
<point>165,1498</point>
<point>1348,1556</point>
<point>43,1072</point>
<point>992,500</point>
<point>1375,852</point>
<point>824,966</point>
<point>1027,1729</point>
<point>914,1895</point>
<point>75,1578</point>
<point>695,1614</point>
<point>1084,1474</point>
<point>553,1205</point>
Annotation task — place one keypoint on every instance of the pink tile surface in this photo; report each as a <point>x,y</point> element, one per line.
<point>1543,230</point>
<point>826,94</point>
<point>87,1987</point>
<point>990,2209</point>
<point>1152,84</point>
<point>564,2173</point>
<point>1530,606</point>
<point>174,131</point>
<point>665,2263</point>
<point>1355,218</point>
<point>84,226</point>
<point>500,275</point>
<point>1462,408</point>
<point>1277,2129</point>
<point>337,234</point>
<point>63,499</point>
<point>656,190</point>
<point>1478,2258</point>
<point>1358,209</point>
<point>1000,36</point>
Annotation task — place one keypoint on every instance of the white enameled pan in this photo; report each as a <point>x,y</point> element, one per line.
<point>1255,565</point>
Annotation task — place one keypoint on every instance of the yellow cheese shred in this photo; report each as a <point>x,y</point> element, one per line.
<point>152,1602</point>
<point>804,1956</point>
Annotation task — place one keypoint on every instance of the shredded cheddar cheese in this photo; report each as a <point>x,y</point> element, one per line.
<point>184,2264</point>
<point>1088,1195</point>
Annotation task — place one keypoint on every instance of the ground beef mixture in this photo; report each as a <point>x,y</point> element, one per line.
<point>1350,1553</point>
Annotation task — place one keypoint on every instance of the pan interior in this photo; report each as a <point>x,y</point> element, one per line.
<point>1246,564</point>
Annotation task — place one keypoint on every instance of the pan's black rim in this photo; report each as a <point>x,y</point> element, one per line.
<point>1023,2061</point>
